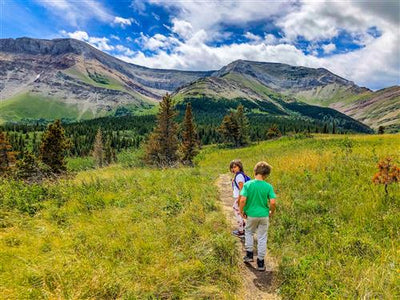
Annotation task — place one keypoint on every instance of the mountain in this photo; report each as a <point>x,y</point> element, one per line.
<point>273,89</point>
<point>70,78</point>
<point>380,108</point>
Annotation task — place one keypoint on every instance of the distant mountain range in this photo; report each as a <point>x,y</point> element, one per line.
<point>71,79</point>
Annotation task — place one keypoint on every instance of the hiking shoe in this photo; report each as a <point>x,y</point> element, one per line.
<point>238,233</point>
<point>260,265</point>
<point>249,257</point>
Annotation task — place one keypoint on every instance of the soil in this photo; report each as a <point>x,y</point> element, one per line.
<point>256,285</point>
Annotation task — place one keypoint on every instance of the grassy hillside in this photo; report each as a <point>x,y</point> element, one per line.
<point>335,234</point>
<point>131,233</point>
<point>28,106</point>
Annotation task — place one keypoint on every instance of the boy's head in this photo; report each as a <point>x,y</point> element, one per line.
<point>236,163</point>
<point>262,168</point>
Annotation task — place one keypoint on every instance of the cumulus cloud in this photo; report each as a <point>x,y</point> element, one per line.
<point>329,48</point>
<point>182,28</point>
<point>124,22</point>
<point>101,43</point>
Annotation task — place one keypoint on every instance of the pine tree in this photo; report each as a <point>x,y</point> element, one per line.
<point>7,156</point>
<point>190,143</point>
<point>28,168</point>
<point>108,152</point>
<point>229,129</point>
<point>273,132</point>
<point>162,146</point>
<point>243,126</point>
<point>53,147</point>
<point>98,150</point>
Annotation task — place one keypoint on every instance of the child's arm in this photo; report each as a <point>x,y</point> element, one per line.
<point>242,203</point>
<point>272,207</point>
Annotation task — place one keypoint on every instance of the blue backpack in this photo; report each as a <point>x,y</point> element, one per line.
<point>246,178</point>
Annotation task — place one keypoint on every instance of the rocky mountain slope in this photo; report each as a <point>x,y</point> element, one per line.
<point>69,78</point>
<point>380,108</point>
<point>79,77</point>
<point>272,89</point>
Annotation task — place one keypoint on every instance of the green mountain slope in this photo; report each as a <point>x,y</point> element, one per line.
<point>380,108</point>
<point>225,90</point>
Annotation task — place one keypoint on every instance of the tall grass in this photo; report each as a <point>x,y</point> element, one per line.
<point>117,233</point>
<point>335,233</point>
<point>129,232</point>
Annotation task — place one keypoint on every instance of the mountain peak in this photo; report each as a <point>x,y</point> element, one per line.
<point>32,46</point>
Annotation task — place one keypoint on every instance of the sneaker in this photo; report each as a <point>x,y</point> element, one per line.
<point>249,257</point>
<point>238,233</point>
<point>260,265</point>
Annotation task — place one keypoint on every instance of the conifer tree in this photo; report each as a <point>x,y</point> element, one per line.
<point>7,156</point>
<point>53,147</point>
<point>28,167</point>
<point>98,150</point>
<point>229,129</point>
<point>162,146</point>
<point>190,142</point>
<point>243,126</point>
<point>273,132</point>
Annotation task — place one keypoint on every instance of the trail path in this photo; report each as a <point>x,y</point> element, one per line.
<point>256,285</point>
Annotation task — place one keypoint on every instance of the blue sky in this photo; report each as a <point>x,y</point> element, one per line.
<point>357,40</point>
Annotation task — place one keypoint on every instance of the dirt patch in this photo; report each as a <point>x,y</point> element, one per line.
<point>256,284</point>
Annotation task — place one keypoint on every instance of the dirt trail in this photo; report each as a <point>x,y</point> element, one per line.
<point>256,285</point>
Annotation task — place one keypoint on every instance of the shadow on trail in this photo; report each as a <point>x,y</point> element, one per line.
<point>264,281</point>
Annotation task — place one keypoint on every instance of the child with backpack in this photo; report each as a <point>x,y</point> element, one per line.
<point>239,179</point>
<point>257,204</point>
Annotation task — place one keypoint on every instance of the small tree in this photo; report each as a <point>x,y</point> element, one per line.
<point>28,168</point>
<point>162,146</point>
<point>388,173</point>
<point>229,129</point>
<point>7,156</point>
<point>243,126</point>
<point>381,129</point>
<point>98,151</point>
<point>108,152</point>
<point>273,132</point>
<point>53,147</point>
<point>190,142</point>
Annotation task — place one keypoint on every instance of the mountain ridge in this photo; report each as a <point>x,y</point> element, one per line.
<point>96,84</point>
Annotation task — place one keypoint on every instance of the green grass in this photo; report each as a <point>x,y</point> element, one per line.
<point>29,106</point>
<point>130,232</point>
<point>335,234</point>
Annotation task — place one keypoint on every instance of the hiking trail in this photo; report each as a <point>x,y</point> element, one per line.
<point>256,285</point>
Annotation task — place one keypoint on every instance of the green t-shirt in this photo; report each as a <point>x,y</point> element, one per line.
<point>258,193</point>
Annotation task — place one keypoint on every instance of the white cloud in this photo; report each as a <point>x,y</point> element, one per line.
<point>124,22</point>
<point>183,28</point>
<point>115,37</point>
<point>329,48</point>
<point>101,43</point>
<point>157,42</point>
<point>252,37</point>
<point>77,12</point>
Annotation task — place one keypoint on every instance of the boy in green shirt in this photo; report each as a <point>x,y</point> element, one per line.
<point>257,204</point>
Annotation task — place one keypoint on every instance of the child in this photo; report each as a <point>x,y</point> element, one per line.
<point>236,167</point>
<point>257,203</point>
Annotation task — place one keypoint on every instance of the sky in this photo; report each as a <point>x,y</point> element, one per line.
<point>358,40</point>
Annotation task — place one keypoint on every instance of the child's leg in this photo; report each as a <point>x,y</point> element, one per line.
<point>239,219</point>
<point>262,236</point>
<point>251,227</point>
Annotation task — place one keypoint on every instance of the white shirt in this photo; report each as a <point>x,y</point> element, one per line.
<point>239,178</point>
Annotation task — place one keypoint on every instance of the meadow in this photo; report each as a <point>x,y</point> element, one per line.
<point>131,232</point>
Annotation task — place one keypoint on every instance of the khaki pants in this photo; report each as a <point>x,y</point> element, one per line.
<point>259,226</point>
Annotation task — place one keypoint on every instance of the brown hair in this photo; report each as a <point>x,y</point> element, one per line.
<point>262,168</point>
<point>236,162</point>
